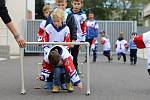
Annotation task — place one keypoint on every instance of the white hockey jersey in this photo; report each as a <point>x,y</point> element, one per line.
<point>121,46</point>
<point>57,35</point>
<point>106,44</point>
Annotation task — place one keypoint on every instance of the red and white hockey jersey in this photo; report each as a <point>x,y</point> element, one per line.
<point>67,61</point>
<point>106,43</point>
<point>41,31</point>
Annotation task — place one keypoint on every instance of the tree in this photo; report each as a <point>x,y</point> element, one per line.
<point>114,9</point>
<point>38,9</point>
<point>132,9</point>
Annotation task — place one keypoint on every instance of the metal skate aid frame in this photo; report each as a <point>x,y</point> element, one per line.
<point>23,91</point>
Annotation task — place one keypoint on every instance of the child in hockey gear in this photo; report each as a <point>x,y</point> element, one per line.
<point>143,41</point>
<point>106,45</point>
<point>80,18</point>
<point>42,36</point>
<point>133,50</point>
<point>69,19</point>
<point>121,47</point>
<point>92,33</point>
<point>57,31</point>
<point>47,20</point>
<point>59,56</point>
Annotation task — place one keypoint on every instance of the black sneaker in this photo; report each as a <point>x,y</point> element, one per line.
<point>131,63</point>
<point>119,57</point>
<point>148,71</point>
<point>85,61</point>
<point>94,60</point>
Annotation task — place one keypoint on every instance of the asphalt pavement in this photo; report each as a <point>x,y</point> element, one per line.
<point>109,81</point>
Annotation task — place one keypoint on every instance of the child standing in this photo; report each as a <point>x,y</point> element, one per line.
<point>46,12</point>
<point>57,31</point>
<point>133,50</point>
<point>106,45</point>
<point>121,47</point>
<point>80,18</point>
<point>92,33</point>
<point>69,19</point>
<point>42,36</point>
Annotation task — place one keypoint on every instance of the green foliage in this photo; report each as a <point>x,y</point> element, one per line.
<point>38,9</point>
<point>106,9</point>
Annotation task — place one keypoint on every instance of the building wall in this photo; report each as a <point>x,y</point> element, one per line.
<point>31,9</point>
<point>146,15</point>
<point>18,14</point>
<point>147,21</point>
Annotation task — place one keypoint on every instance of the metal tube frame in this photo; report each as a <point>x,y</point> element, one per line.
<point>23,91</point>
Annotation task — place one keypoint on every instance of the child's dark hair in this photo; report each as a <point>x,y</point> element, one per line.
<point>54,57</point>
<point>90,12</point>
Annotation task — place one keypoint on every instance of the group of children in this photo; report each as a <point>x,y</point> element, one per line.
<point>121,47</point>
<point>60,64</point>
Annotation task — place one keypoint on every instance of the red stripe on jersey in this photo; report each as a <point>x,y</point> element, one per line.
<point>69,66</point>
<point>40,32</point>
<point>67,39</point>
<point>102,41</point>
<point>47,66</point>
<point>83,28</point>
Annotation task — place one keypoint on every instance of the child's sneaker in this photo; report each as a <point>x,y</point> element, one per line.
<point>119,57</point>
<point>131,63</point>
<point>85,61</point>
<point>70,87</point>
<point>63,87</point>
<point>110,59</point>
<point>94,60</point>
<point>78,71</point>
<point>48,85</point>
<point>56,89</point>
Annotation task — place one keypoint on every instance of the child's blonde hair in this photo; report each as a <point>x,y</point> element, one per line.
<point>58,13</point>
<point>47,8</point>
<point>121,34</point>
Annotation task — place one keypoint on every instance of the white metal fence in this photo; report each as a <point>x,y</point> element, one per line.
<point>112,28</point>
